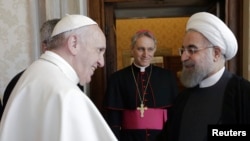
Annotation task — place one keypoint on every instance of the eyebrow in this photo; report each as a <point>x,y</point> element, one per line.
<point>190,46</point>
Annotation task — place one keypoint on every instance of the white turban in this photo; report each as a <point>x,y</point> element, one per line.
<point>216,31</point>
<point>70,22</point>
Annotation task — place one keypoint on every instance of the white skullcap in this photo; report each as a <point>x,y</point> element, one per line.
<point>70,22</point>
<point>216,31</point>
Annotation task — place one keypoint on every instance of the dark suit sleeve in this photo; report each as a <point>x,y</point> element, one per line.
<point>8,91</point>
<point>113,119</point>
<point>236,104</point>
<point>1,109</point>
<point>113,110</point>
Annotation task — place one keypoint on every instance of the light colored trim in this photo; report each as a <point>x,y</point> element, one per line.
<point>35,35</point>
<point>246,41</point>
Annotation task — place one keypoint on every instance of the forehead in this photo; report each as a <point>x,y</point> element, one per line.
<point>193,38</point>
<point>96,37</point>
<point>144,41</point>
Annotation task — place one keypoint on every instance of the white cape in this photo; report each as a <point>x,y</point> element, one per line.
<point>47,105</point>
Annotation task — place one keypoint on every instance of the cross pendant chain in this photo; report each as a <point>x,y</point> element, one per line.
<point>142,109</point>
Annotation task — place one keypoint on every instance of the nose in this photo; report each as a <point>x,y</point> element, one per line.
<point>100,62</point>
<point>145,52</point>
<point>185,56</point>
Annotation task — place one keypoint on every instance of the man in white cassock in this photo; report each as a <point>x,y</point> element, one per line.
<point>46,104</point>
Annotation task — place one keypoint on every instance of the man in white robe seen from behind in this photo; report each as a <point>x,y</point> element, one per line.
<point>46,104</point>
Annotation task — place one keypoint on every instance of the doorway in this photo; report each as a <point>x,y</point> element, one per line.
<point>111,10</point>
<point>149,10</point>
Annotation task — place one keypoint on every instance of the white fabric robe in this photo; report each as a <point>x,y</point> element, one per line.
<point>47,105</point>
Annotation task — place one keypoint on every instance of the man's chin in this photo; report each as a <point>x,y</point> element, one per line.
<point>88,80</point>
<point>188,69</point>
<point>85,82</point>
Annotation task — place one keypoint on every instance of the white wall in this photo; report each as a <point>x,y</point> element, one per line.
<point>20,21</point>
<point>18,48</point>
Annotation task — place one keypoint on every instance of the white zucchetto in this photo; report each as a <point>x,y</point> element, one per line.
<point>70,22</point>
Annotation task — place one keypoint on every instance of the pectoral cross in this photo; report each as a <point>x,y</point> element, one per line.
<point>142,109</point>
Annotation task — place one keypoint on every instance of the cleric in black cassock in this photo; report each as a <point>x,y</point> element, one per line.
<point>214,96</point>
<point>138,96</point>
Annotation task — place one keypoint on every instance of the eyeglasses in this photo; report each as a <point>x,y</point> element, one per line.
<point>191,51</point>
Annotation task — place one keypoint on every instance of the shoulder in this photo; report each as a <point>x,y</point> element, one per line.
<point>239,80</point>
<point>121,71</point>
<point>162,71</point>
<point>11,86</point>
<point>119,75</point>
<point>159,68</point>
<point>16,78</point>
<point>238,83</point>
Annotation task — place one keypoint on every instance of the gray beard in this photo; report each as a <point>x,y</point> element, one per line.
<point>190,79</point>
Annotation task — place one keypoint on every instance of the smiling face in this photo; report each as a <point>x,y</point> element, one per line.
<point>143,51</point>
<point>200,64</point>
<point>90,53</point>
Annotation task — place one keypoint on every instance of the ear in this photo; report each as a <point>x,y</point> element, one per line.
<point>217,53</point>
<point>43,47</point>
<point>72,44</point>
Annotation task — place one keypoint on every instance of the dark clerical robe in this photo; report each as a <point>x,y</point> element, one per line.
<point>125,94</point>
<point>226,102</point>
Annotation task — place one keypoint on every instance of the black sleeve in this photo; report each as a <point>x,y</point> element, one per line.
<point>8,91</point>
<point>1,109</point>
<point>113,119</point>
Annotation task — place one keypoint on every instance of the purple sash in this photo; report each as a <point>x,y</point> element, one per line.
<point>153,119</point>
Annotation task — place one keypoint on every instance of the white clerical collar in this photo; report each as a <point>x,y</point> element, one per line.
<point>142,69</point>
<point>63,65</point>
<point>212,79</point>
